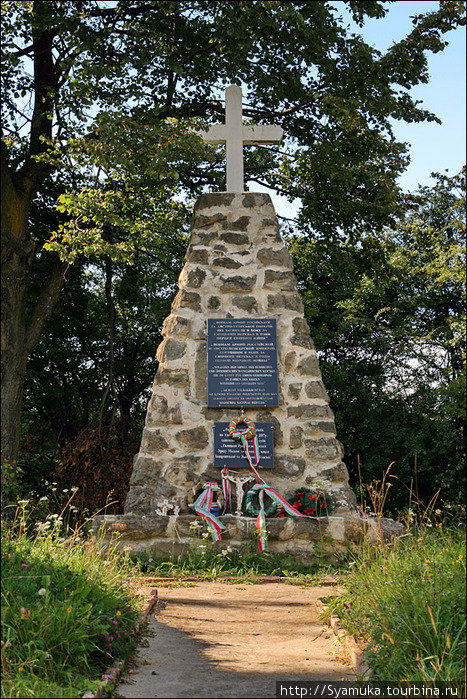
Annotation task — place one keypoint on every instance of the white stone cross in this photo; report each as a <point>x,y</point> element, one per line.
<point>234,134</point>
<point>163,507</point>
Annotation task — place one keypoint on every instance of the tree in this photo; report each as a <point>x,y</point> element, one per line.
<point>109,80</point>
<point>387,313</point>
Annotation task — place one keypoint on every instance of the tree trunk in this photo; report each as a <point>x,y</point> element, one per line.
<point>19,330</point>
<point>17,258</point>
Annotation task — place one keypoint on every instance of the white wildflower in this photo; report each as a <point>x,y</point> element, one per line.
<point>42,592</point>
<point>43,498</point>
<point>205,535</point>
<point>23,502</point>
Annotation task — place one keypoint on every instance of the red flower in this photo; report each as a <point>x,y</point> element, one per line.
<point>323,504</point>
<point>312,511</point>
<point>312,497</point>
<point>296,503</point>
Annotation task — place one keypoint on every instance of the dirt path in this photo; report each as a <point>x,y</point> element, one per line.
<point>223,640</point>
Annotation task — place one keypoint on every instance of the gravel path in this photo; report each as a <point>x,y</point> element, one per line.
<point>214,639</point>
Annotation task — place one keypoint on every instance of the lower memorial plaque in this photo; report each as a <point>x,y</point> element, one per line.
<point>242,362</point>
<point>229,452</point>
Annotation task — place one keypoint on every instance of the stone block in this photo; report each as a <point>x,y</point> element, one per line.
<point>294,390</point>
<point>199,256</point>
<point>245,303</point>
<point>214,303</point>
<point>193,278</point>
<point>226,262</point>
<point>201,371</point>
<point>315,389</point>
<point>256,199</point>
<point>296,437</point>
<point>326,448</point>
<point>153,441</point>
<point>266,416</point>
<point>218,199</point>
<point>174,377</point>
<point>234,238</point>
<point>176,324</point>
<point>305,410</point>
<point>145,470</point>
<point>309,366</point>
<point>237,283</point>
<point>194,439</point>
<point>187,299</point>
<point>335,474</point>
<point>289,362</point>
<point>286,466</point>
<point>170,349</point>
<point>139,499</point>
<point>240,224</point>
<point>291,302</point>
<point>282,280</point>
<point>275,258</point>
<point>202,221</point>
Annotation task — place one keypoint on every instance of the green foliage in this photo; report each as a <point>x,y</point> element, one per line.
<point>408,602</point>
<point>387,313</point>
<point>66,612</point>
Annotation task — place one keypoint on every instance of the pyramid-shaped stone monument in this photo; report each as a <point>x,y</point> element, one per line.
<point>238,274</point>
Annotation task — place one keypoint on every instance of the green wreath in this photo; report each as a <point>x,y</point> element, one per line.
<point>251,504</point>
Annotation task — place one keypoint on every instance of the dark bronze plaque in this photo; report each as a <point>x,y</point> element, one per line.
<point>242,362</point>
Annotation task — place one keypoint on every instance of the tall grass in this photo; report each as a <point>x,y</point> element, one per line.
<point>407,600</point>
<point>66,609</point>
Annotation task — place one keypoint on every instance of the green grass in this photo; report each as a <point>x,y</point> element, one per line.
<point>407,600</point>
<point>205,560</point>
<point>66,609</point>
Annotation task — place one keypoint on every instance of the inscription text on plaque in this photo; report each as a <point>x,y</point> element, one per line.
<point>242,362</point>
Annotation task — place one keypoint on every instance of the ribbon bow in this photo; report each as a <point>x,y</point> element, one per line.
<point>262,489</point>
<point>202,507</point>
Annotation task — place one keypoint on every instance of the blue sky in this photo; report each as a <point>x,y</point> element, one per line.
<point>433,147</point>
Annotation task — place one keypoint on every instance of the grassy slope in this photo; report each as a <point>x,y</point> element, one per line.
<point>408,601</point>
<point>66,613</point>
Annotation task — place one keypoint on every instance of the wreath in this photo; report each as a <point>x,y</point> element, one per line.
<point>252,506</point>
<point>249,433</point>
<point>309,502</point>
<point>217,500</point>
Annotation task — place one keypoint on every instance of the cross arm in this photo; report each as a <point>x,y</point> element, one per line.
<point>261,134</point>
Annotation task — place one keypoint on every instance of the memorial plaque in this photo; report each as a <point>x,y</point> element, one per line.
<point>242,362</point>
<point>229,452</point>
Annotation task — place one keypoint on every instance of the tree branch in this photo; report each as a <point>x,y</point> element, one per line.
<point>45,304</point>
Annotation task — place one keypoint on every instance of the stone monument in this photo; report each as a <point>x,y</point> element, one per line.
<point>238,279</point>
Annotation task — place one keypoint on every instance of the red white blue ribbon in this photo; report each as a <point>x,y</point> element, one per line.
<point>202,507</point>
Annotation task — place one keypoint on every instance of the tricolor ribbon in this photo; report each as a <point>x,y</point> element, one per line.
<point>226,490</point>
<point>264,489</point>
<point>251,453</point>
<point>202,507</point>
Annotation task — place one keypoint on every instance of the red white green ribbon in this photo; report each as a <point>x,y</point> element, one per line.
<point>226,490</point>
<point>264,489</point>
<point>251,452</point>
<point>202,507</point>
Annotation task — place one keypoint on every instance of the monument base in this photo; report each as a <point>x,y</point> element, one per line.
<point>174,534</point>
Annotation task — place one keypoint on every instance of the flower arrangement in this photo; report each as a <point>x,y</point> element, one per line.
<point>309,502</point>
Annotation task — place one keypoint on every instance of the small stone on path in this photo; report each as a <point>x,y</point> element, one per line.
<point>224,640</point>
